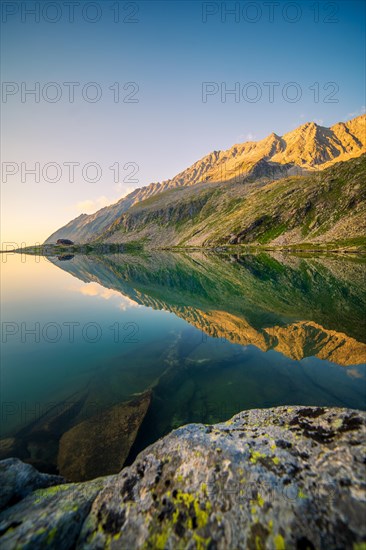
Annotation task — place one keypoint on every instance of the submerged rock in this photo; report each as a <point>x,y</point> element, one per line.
<point>101,444</point>
<point>287,477</point>
<point>37,442</point>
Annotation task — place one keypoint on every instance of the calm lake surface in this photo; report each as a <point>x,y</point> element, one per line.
<point>100,349</point>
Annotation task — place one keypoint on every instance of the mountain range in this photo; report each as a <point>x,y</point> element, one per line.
<point>300,187</point>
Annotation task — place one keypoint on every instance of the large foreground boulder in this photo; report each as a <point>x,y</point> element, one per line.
<point>288,477</point>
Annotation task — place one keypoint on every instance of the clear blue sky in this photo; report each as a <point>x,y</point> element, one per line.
<point>171,49</point>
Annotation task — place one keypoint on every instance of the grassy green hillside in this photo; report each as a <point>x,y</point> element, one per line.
<point>326,207</point>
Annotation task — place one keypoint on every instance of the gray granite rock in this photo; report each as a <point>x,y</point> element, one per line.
<point>17,480</point>
<point>49,518</point>
<point>288,477</point>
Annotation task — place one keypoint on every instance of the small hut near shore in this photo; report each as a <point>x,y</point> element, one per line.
<point>64,241</point>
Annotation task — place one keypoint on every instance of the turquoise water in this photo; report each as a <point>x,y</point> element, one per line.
<point>208,335</point>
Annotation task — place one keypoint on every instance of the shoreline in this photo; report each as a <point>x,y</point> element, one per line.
<point>112,248</point>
